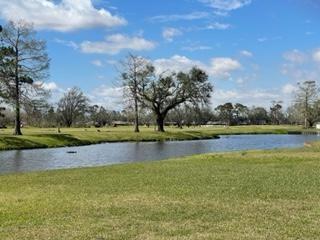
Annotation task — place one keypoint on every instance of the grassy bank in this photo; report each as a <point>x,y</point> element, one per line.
<point>245,195</point>
<point>46,137</point>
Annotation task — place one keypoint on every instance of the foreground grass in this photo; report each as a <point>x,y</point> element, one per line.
<point>46,137</point>
<point>245,195</point>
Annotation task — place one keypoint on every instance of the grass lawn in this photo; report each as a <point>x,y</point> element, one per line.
<point>46,137</point>
<point>244,195</point>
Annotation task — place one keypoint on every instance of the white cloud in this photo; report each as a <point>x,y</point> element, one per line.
<point>289,89</point>
<point>50,86</point>
<point>301,66</point>
<point>67,15</point>
<point>55,91</point>
<point>67,43</point>
<point>316,55</point>
<point>97,63</point>
<point>246,53</point>
<point>295,56</point>
<point>251,97</point>
<point>176,63</point>
<point>221,68</point>
<point>177,17</point>
<point>114,44</point>
<point>223,6</point>
<point>170,33</point>
<point>218,26</point>
<point>111,97</point>
<point>240,80</point>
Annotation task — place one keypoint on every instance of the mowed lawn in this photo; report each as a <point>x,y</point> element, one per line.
<point>49,137</point>
<point>245,195</point>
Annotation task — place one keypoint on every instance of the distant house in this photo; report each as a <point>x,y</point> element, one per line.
<point>121,123</point>
<point>318,126</point>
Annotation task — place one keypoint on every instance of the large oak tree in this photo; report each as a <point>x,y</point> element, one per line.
<point>165,92</point>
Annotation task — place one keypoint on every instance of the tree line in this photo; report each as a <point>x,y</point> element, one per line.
<point>152,97</point>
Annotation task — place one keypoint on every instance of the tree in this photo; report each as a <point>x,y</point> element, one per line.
<point>2,109</point>
<point>293,115</point>
<point>258,115</point>
<point>134,71</point>
<point>23,62</point>
<point>167,91</point>
<point>240,113</point>
<point>72,106</point>
<point>225,112</point>
<point>99,115</point>
<point>275,112</point>
<point>51,117</point>
<point>306,97</point>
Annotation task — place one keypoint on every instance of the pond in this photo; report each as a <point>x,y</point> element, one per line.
<point>115,153</point>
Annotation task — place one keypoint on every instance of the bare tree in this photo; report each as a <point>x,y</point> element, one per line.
<point>72,106</point>
<point>23,62</point>
<point>134,70</point>
<point>306,97</point>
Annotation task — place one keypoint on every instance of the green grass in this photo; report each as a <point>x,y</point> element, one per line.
<point>48,137</point>
<point>244,195</point>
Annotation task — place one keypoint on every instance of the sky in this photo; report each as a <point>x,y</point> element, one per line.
<point>254,51</point>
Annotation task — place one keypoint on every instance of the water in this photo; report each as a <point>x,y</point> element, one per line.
<point>115,153</point>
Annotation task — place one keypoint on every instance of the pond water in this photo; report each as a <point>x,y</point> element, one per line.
<point>115,153</point>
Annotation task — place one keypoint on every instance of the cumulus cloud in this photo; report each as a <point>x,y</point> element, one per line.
<point>295,56</point>
<point>221,68</point>
<point>111,97</point>
<point>316,55</point>
<point>289,89</point>
<point>56,92</point>
<point>301,66</point>
<point>114,44</point>
<point>170,33</point>
<point>257,96</point>
<point>175,64</point>
<point>67,15</point>
<point>48,86</point>
<point>223,6</point>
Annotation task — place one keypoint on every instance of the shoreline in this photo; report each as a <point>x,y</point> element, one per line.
<point>71,141</point>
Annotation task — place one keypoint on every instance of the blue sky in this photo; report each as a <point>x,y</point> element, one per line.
<point>254,51</point>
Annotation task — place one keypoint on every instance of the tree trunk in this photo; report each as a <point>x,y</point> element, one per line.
<point>136,119</point>
<point>160,123</point>
<point>17,129</point>
<point>305,123</point>
<point>310,123</point>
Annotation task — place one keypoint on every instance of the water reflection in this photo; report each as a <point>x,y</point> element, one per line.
<point>112,153</point>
